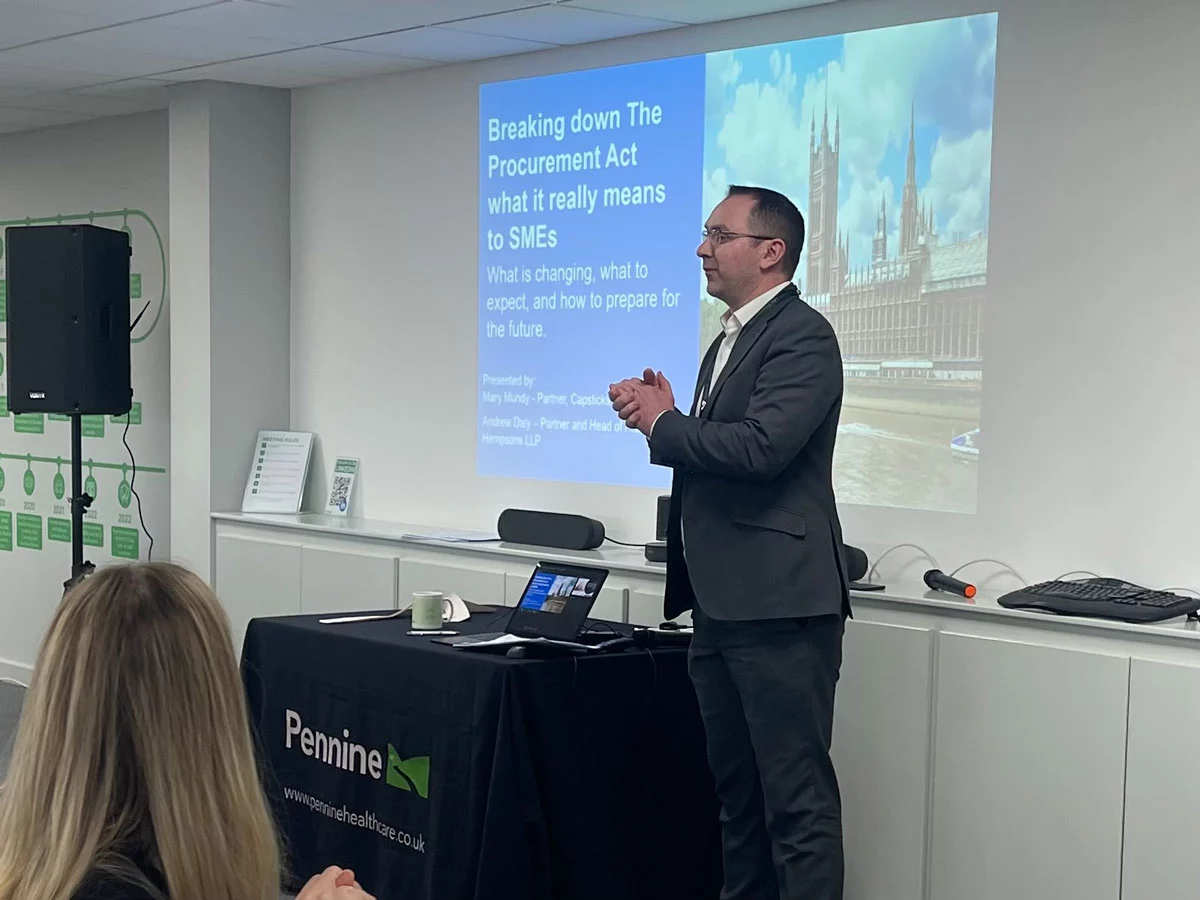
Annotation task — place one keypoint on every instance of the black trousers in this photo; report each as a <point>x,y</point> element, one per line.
<point>766,692</point>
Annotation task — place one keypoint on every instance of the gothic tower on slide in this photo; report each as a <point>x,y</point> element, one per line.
<point>824,249</point>
<point>910,218</point>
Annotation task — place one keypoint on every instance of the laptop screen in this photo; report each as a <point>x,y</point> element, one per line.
<point>556,601</point>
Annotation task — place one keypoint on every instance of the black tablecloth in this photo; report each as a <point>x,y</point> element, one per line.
<point>443,774</point>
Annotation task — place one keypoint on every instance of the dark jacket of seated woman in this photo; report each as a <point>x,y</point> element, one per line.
<point>123,884</point>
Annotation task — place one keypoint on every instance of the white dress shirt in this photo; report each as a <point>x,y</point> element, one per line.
<point>732,323</point>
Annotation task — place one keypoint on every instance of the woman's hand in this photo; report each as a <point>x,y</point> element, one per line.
<point>334,884</point>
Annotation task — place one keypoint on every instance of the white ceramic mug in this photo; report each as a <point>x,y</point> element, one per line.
<point>427,610</point>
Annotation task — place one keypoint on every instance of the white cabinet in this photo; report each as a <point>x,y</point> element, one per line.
<point>881,743</point>
<point>514,587</point>
<point>256,578</point>
<point>645,607</point>
<point>1028,771</point>
<point>343,581</point>
<point>610,605</point>
<point>472,584</point>
<point>1162,783</point>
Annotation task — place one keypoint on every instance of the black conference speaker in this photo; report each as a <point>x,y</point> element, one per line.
<point>68,320</point>
<point>547,529</point>
<point>858,566</point>
<point>856,563</point>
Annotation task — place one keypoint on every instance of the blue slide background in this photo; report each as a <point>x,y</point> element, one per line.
<point>539,588</point>
<point>584,350</point>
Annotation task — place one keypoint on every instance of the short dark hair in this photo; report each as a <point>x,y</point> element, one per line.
<point>775,215</point>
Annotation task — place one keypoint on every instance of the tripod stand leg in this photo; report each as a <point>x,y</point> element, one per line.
<point>80,501</point>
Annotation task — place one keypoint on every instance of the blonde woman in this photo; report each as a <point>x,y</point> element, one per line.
<point>133,774</point>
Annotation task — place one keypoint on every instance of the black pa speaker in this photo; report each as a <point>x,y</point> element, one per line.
<point>547,529</point>
<point>68,320</point>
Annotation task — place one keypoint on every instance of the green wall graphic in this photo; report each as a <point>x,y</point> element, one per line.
<point>106,219</point>
<point>125,537</point>
<point>35,505</point>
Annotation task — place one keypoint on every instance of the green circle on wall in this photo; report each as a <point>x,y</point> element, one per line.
<point>30,482</point>
<point>1,479</point>
<point>60,485</point>
<point>1,363</point>
<point>89,486</point>
<point>124,494</point>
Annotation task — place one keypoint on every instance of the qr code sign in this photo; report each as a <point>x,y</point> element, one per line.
<point>339,494</point>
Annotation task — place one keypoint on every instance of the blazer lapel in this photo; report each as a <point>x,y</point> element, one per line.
<point>750,334</point>
<point>706,367</point>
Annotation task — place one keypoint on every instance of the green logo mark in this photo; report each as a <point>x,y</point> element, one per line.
<point>342,752</point>
<point>408,774</point>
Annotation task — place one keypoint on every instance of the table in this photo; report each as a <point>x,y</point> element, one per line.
<point>444,774</point>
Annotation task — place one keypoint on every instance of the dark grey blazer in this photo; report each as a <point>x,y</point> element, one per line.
<point>753,482</point>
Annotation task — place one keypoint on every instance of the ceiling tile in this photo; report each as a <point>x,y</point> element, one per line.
<point>299,68</point>
<point>14,75</point>
<point>341,63</point>
<point>561,25</point>
<point>142,91</point>
<point>77,104</point>
<point>24,24</point>
<point>36,118</point>
<point>291,25</point>
<point>157,39</point>
<point>15,93</point>
<point>393,15</point>
<point>693,12</point>
<point>241,72</point>
<point>326,23</point>
<point>114,10</point>
<point>443,44</point>
<point>76,54</point>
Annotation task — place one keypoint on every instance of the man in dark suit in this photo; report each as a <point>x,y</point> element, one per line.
<point>755,550</point>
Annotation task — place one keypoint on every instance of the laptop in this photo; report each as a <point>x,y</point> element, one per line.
<point>554,607</point>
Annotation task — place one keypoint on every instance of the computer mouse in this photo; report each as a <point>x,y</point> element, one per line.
<point>516,653</point>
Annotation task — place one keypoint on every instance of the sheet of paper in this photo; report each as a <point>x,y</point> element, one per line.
<point>495,642</point>
<point>461,537</point>
<point>278,472</point>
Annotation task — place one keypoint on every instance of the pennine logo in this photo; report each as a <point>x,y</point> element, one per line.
<point>343,753</point>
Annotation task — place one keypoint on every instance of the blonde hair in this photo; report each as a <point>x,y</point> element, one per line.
<point>134,748</point>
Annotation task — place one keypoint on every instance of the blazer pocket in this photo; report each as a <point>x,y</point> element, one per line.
<point>773,518</point>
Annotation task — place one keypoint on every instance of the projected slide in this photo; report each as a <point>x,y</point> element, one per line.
<point>593,189</point>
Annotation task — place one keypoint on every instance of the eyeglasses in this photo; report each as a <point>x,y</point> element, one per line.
<point>719,236</point>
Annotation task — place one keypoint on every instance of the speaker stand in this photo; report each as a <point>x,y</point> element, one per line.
<point>80,502</point>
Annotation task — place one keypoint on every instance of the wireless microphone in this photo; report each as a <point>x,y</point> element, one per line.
<point>937,580</point>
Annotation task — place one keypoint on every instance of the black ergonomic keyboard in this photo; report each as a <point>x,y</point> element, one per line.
<point>1102,598</point>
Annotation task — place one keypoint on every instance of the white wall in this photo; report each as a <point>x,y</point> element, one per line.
<point>1090,319</point>
<point>109,165</point>
<point>230,153</point>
